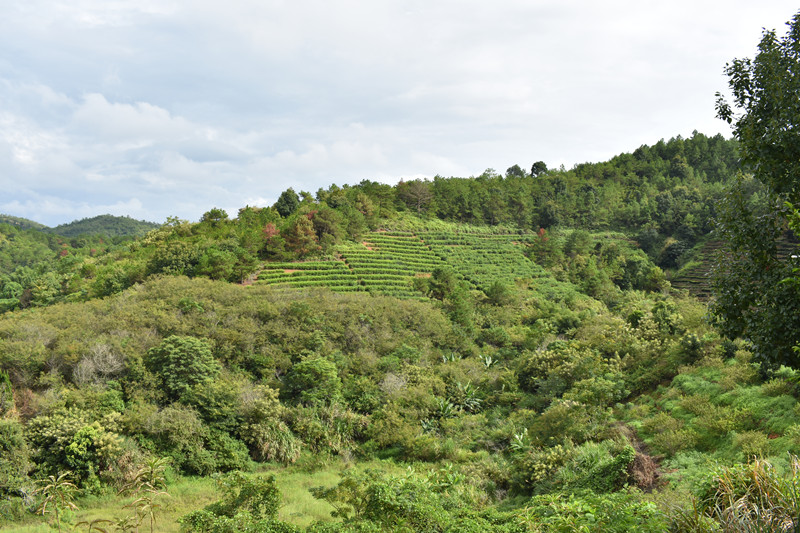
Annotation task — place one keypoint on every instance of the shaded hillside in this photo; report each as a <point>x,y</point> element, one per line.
<point>108,225</point>
<point>694,277</point>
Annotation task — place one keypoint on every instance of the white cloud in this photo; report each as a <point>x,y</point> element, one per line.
<point>130,123</point>
<point>186,105</point>
<point>26,143</point>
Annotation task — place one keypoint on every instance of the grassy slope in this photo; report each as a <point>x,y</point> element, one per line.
<point>186,494</point>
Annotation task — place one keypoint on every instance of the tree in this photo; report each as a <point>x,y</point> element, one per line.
<point>442,283</point>
<point>287,203</point>
<point>314,382</point>
<point>750,299</point>
<point>499,293</point>
<point>14,457</point>
<point>214,217</point>
<point>416,193</point>
<point>766,92</point>
<point>181,363</point>
<point>538,168</point>
<point>301,238</point>
<point>515,172</point>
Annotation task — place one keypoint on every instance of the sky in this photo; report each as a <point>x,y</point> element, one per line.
<point>160,108</point>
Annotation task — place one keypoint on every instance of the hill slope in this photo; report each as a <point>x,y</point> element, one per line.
<point>21,223</point>
<point>108,225</point>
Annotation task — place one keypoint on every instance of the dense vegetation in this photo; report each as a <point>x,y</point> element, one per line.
<point>663,198</point>
<point>505,366</point>
<point>21,223</point>
<point>106,225</point>
<point>497,353</point>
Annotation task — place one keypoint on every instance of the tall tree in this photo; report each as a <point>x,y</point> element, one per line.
<point>287,203</point>
<point>301,238</point>
<point>538,168</point>
<point>766,93</point>
<point>751,299</point>
<point>416,193</point>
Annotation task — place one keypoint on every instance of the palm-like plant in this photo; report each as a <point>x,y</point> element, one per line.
<point>58,494</point>
<point>148,483</point>
<point>469,399</point>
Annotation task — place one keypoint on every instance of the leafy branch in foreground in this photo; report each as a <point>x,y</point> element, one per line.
<point>750,301</point>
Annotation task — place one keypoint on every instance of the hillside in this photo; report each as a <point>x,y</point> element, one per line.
<point>106,225</point>
<point>21,223</point>
<point>513,398</point>
<point>398,357</point>
<point>660,197</point>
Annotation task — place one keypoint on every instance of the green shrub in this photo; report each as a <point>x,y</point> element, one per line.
<point>601,391</point>
<point>176,258</point>
<point>670,442</point>
<point>752,444</point>
<point>14,458</point>
<point>429,448</point>
<point>619,512</point>
<point>68,440</point>
<point>669,436</point>
<point>567,419</point>
<point>667,316</point>
<point>389,428</point>
<point>362,394</point>
<point>536,465</point>
<point>97,400</point>
<point>600,467</point>
<point>272,440</point>
<point>178,432</point>
<point>749,497</point>
<point>217,401</point>
<point>6,394</point>
<point>395,503</point>
<point>228,452</point>
<point>314,382</point>
<point>327,428</point>
<point>181,363</point>
<point>248,504</point>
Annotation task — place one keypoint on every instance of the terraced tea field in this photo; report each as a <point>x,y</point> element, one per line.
<point>299,275</point>
<point>386,262</point>
<point>485,258</point>
<point>696,280</point>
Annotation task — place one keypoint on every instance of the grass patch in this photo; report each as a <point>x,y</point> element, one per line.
<point>187,494</point>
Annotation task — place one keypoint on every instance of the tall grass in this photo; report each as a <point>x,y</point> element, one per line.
<point>749,498</point>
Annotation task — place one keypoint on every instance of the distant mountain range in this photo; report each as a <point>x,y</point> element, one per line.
<point>109,225</point>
